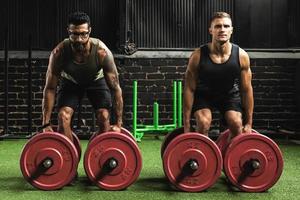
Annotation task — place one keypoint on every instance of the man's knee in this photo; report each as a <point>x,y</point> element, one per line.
<point>102,115</point>
<point>203,120</point>
<point>235,123</point>
<point>103,120</point>
<point>65,115</point>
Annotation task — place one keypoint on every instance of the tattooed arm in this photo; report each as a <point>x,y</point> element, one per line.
<point>112,80</point>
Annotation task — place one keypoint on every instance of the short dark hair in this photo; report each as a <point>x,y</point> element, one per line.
<point>219,15</point>
<point>78,18</point>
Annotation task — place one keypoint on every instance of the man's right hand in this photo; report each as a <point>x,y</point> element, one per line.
<point>48,129</point>
<point>116,128</point>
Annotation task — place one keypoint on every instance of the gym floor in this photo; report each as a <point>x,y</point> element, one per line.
<point>151,183</point>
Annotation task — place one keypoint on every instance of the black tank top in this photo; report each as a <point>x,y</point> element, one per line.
<point>219,79</point>
<point>85,74</point>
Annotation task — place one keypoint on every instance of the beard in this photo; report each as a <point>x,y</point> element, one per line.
<point>78,46</point>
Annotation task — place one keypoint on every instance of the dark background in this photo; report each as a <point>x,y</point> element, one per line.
<point>153,23</point>
<point>260,26</point>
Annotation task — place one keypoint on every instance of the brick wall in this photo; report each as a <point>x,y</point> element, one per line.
<point>273,83</point>
<point>275,94</point>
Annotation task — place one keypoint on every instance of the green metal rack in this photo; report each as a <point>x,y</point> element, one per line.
<point>156,128</point>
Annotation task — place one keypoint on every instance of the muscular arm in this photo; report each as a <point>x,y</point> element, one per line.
<point>191,76</point>
<point>246,89</point>
<point>52,77</point>
<point>112,79</point>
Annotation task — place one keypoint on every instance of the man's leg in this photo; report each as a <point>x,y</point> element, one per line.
<point>234,122</point>
<point>101,102</point>
<point>68,97</point>
<point>64,121</point>
<point>203,119</point>
<point>103,122</point>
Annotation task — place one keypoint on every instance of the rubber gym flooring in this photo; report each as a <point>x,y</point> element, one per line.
<point>151,183</point>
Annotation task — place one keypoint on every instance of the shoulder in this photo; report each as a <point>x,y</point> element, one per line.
<point>194,60</point>
<point>243,53</point>
<point>58,51</point>
<point>100,45</point>
<point>56,59</point>
<point>244,58</point>
<point>105,56</point>
<point>196,54</point>
<point>102,49</point>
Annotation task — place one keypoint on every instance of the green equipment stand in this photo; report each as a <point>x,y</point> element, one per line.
<point>156,128</point>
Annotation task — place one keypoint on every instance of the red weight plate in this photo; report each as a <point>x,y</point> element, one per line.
<point>49,161</point>
<point>77,144</point>
<point>92,137</point>
<point>123,130</point>
<point>124,151</point>
<point>255,131</point>
<point>76,141</point>
<point>222,141</point>
<point>168,138</point>
<point>253,162</point>
<point>126,132</point>
<point>196,148</point>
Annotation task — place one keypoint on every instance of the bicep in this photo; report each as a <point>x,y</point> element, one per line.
<point>246,77</point>
<point>190,80</point>
<point>53,71</point>
<point>246,74</point>
<point>51,80</point>
<point>191,73</point>
<point>110,70</point>
<point>107,61</point>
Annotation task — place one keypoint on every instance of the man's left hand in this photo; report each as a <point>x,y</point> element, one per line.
<point>115,128</point>
<point>247,128</point>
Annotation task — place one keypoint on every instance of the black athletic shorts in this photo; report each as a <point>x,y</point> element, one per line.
<point>221,102</point>
<point>70,94</point>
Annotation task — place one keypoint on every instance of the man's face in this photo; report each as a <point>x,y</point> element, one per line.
<point>79,35</point>
<point>221,29</point>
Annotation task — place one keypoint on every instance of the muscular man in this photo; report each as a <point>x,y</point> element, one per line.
<point>218,76</point>
<point>83,66</point>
